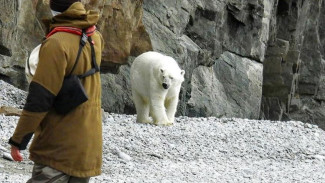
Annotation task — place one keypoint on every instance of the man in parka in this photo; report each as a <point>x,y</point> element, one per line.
<point>65,148</point>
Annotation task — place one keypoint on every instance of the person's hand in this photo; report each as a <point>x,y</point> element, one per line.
<point>15,154</point>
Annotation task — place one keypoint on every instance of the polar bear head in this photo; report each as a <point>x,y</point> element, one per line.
<point>171,78</point>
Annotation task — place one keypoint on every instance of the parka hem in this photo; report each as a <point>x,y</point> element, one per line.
<point>67,170</point>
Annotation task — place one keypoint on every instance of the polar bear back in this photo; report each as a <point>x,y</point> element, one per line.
<point>152,60</point>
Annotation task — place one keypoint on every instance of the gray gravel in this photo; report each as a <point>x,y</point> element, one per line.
<point>11,96</point>
<point>193,150</point>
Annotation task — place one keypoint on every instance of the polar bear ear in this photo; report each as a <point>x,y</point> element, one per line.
<point>182,72</point>
<point>162,70</point>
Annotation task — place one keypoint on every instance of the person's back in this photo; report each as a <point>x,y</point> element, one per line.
<point>71,143</point>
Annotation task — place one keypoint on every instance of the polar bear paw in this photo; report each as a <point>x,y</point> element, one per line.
<point>145,121</point>
<point>164,123</point>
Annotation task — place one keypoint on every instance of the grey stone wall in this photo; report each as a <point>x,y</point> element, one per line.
<point>20,31</point>
<point>293,83</point>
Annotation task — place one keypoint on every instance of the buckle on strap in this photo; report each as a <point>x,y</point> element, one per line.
<point>84,38</point>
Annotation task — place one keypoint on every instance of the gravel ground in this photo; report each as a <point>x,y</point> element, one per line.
<point>11,96</point>
<point>192,150</point>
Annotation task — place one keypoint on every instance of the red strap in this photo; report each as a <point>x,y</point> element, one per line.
<point>90,31</point>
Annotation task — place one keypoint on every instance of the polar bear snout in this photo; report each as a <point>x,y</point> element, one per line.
<point>165,86</point>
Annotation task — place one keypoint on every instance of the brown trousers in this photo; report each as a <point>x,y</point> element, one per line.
<point>45,174</point>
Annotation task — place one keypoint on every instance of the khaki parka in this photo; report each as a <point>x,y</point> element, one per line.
<point>70,143</point>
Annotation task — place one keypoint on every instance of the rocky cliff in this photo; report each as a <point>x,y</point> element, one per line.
<point>248,59</point>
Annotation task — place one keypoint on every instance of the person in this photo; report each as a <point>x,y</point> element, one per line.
<point>65,148</point>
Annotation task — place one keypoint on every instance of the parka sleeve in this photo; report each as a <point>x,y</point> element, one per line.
<point>45,85</point>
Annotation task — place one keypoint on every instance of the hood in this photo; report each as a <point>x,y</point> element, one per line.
<point>75,16</point>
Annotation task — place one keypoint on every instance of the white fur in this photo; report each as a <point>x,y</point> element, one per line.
<point>150,72</point>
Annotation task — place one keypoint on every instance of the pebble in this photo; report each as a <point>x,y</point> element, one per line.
<point>319,157</point>
<point>3,149</point>
<point>7,156</point>
<point>122,155</point>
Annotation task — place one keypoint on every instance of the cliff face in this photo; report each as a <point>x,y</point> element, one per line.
<point>249,59</point>
<point>293,85</point>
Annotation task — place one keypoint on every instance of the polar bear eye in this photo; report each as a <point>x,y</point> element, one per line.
<point>171,78</point>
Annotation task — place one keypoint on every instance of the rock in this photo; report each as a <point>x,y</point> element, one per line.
<point>207,95</point>
<point>3,149</point>
<point>8,98</point>
<point>319,157</point>
<point>122,155</point>
<point>124,34</point>
<point>237,74</point>
<point>299,28</point>
<point>7,156</point>
<point>10,111</point>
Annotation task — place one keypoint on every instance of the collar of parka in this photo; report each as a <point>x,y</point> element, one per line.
<point>75,16</point>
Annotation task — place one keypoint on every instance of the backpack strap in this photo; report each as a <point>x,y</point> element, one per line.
<point>83,41</point>
<point>95,67</point>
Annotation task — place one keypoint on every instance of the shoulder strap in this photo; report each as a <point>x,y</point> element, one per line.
<point>95,67</point>
<point>83,41</point>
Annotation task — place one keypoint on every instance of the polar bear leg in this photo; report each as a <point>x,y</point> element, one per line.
<point>142,108</point>
<point>157,110</point>
<point>171,107</point>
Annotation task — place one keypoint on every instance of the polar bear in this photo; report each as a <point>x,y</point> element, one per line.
<point>155,82</point>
